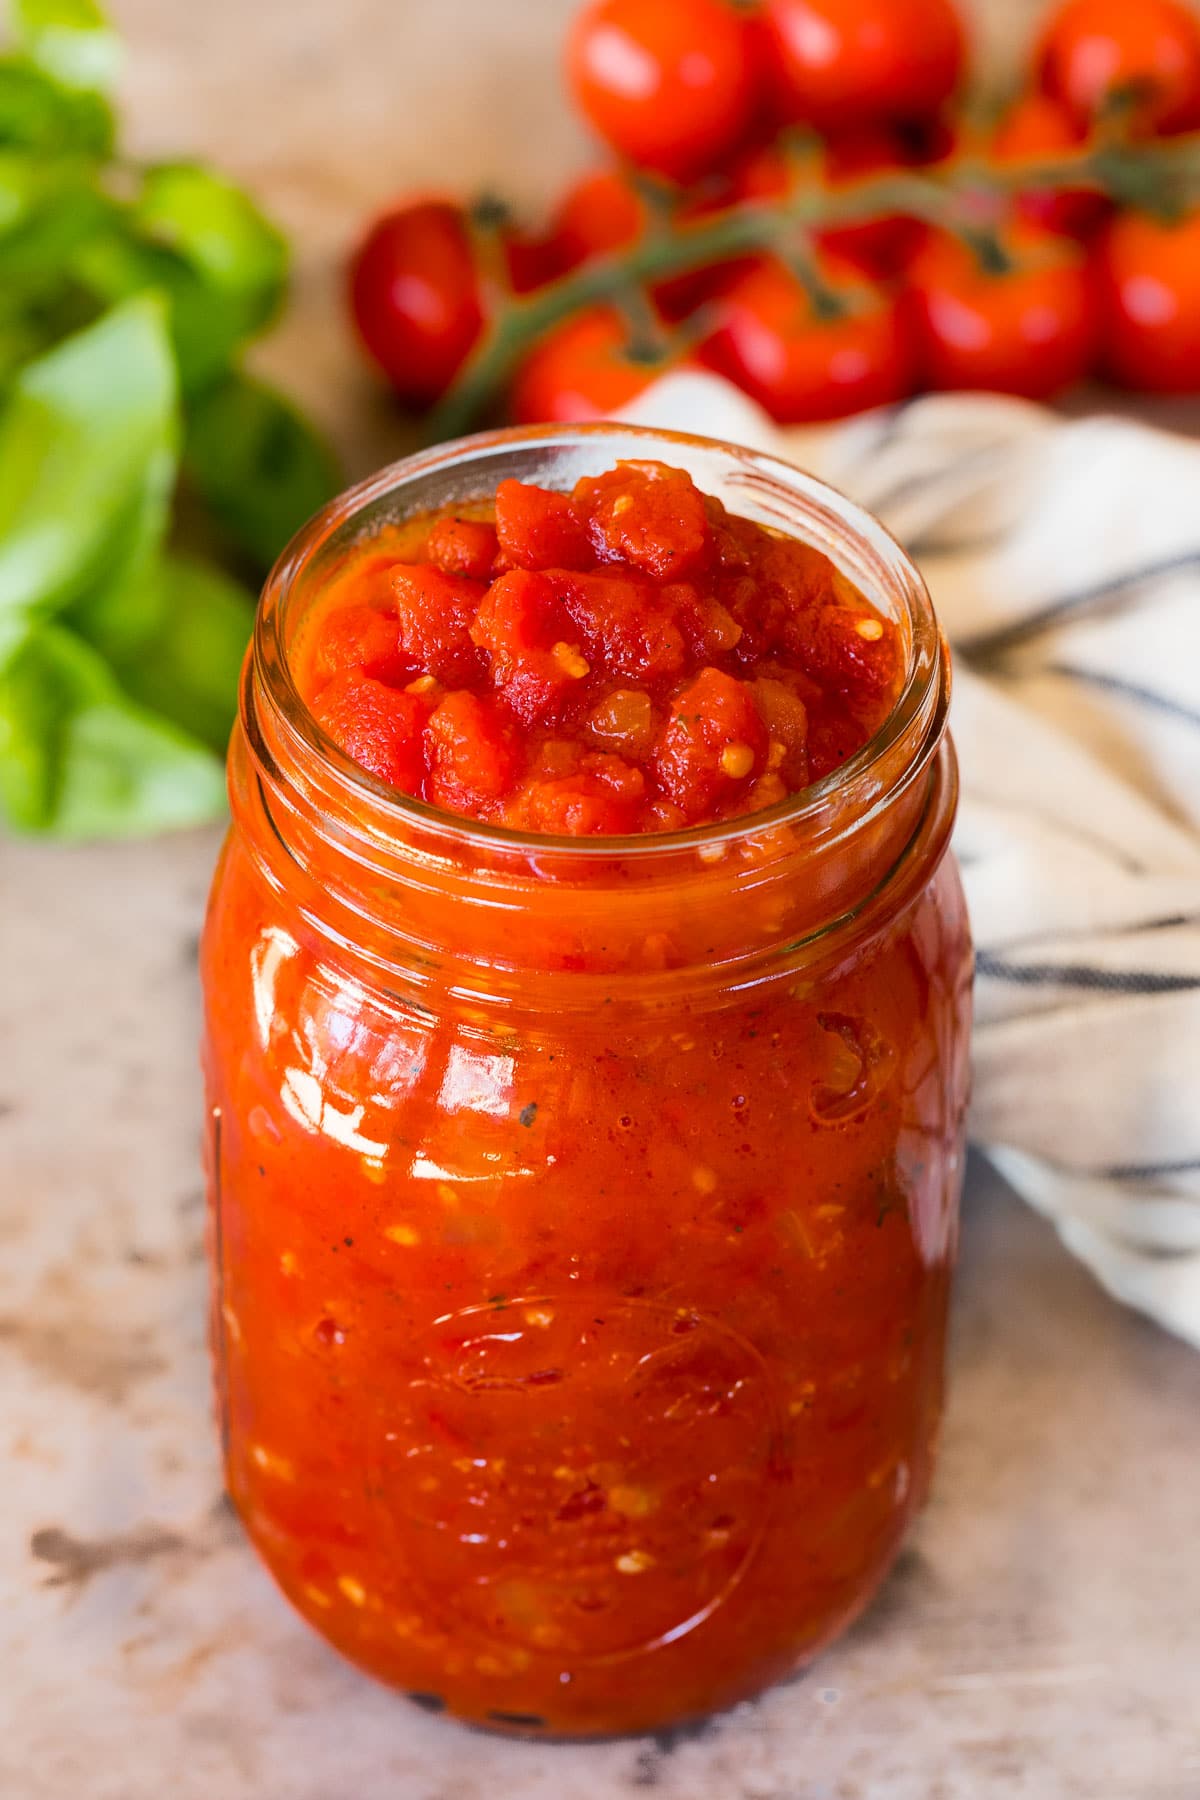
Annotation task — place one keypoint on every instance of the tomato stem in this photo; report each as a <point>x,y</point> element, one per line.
<point>1129,172</point>
<point>648,341</point>
<point>825,302</point>
<point>989,252</point>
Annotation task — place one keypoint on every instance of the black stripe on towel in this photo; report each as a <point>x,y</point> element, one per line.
<point>893,424</point>
<point>920,548</point>
<point>1065,827</point>
<point>1129,690</point>
<point>1148,1171</point>
<point>1084,975</point>
<point>946,475</point>
<point>988,643</point>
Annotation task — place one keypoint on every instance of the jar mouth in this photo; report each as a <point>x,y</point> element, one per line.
<point>459,470</point>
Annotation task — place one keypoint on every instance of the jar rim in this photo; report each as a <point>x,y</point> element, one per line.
<point>395,814</point>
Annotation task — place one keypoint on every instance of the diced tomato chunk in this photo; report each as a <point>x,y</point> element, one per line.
<point>378,726</point>
<point>435,613</point>
<point>713,742</point>
<point>786,718</point>
<point>709,627</point>
<point>833,737</point>
<point>735,543</point>
<point>627,657</point>
<point>521,611</point>
<point>462,546</point>
<point>527,636</point>
<point>360,637</point>
<point>540,529</point>
<point>647,515</point>
<point>472,756</point>
<point>623,625</point>
<point>592,803</point>
<point>854,652</point>
<point>786,581</point>
<point>801,573</point>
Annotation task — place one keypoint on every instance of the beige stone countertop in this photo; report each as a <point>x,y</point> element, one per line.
<point>1040,1637</point>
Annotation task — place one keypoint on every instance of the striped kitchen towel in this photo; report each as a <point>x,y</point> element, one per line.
<point>1064,561</point>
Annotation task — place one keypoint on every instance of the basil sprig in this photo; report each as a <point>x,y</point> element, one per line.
<point>127,295</point>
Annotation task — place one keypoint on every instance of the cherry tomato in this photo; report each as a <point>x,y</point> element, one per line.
<point>801,366</point>
<point>581,370</point>
<point>667,83</point>
<point>1037,126</point>
<point>838,64</point>
<point>1149,278</point>
<point>606,210</point>
<point>415,293</point>
<point>1093,50</point>
<point>530,260</point>
<point>603,211</point>
<point>1031,329</point>
<point>879,247</point>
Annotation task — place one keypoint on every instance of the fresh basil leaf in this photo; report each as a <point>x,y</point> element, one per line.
<point>79,759</point>
<point>119,617</point>
<point>17,187</point>
<point>174,637</point>
<point>20,339</point>
<point>70,39</point>
<point>205,333</point>
<point>39,113</point>
<point>87,465</point>
<point>37,252</point>
<point>217,297</point>
<point>28,179</point>
<point>217,230</point>
<point>34,316</point>
<point>259,465</point>
<point>189,664</point>
<point>119,666</point>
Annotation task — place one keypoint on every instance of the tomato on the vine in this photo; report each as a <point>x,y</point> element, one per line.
<point>1149,277</point>
<point>670,84</point>
<point>1095,53</point>
<point>608,210</point>
<point>879,247</point>
<point>601,212</point>
<point>803,362</point>
<point>1038,126</point>
<point>838,64</point>
<point>415,293</point>
<point>585,368</point>
<point>530,259</point>
<point>1028,327</point>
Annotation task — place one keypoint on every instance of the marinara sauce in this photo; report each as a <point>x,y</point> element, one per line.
<point>587,1000</point>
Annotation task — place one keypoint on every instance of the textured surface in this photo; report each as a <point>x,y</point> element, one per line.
<point>1040,1638</point>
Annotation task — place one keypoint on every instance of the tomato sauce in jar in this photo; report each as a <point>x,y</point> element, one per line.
<point>587,995</point>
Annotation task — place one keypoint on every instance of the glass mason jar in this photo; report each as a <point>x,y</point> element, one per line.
<point>583,1211</point>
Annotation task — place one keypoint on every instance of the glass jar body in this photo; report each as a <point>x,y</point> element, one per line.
<point>583,1214</point>
<point>582,1373</point>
